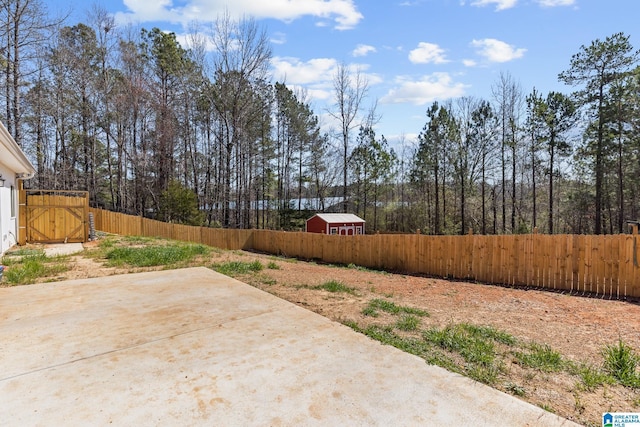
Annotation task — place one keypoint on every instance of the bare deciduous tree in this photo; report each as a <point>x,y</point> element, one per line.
<point>350,88</point>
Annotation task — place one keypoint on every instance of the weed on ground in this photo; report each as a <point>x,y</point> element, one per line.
<point>335,286</point>
<point>169,255</point>
<point>391,308</point>
<point>541,357</point>
<point>30,265</point>
<point>621,362</point>
<point>238,268</point>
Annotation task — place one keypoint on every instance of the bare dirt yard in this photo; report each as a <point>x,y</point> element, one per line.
<point>543,347</point>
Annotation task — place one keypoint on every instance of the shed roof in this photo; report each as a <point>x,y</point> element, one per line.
<point>339,217</point>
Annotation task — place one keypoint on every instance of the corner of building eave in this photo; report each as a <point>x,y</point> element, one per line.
<point>27,170</point>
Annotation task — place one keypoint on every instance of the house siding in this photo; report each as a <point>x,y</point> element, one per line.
<point>8,210</point>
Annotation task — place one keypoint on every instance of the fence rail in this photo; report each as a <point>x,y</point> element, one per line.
<point>604,265</point>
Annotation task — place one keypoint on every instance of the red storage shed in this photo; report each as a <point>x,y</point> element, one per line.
<point>335,223</point>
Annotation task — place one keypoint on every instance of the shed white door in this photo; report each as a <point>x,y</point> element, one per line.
<point>347,230</point>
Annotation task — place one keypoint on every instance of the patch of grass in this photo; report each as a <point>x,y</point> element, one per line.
<point>32,267</point>
<point>384,305</point>
<point>415,346</point>
<point>273,266</point>
<point>154,255</point>
<point>408,322</point>
<point>437,358</point>
<point>487,374</point>
<point>286,259</point>
<point>515,389</point>
<point>490,333</point>
<point>473,348</point>
<point>370,311</point>
<point>139,240</point>
<point>392,308</point>
<point>335,286</point>
<point>386,335</point>
<point>578,405</point>
<point>477,347</point>
<point>621,362</point>
<point>547,408</point>
<point>107,243</point>
<point>590,377</point>
<point>353,325</point>
<point>541,357</point>
<point>361,268</point>
<point>266,280</point>
<point>352,266</point>
<point>236,268</point>
<point>22,252</point>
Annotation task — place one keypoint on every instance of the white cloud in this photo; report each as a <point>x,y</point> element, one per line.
<point>554,3</point>
<point>363,50</point>
<point>427,53</point>
<point>469,63</point>
<point>437,86</point>
<point>497,51</point>
<point>500,4</point>
<point>295,72</point>
<point>344,13</point>
<point>191,41</point>
<point>278,38</point>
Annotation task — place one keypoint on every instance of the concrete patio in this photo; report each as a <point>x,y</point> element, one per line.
<point>193,347</point>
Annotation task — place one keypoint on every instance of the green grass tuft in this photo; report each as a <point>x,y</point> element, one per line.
<point>335,286</point>
<point>235,268</point>
<point>155,255</point>
<point>541,357</point>
<point>590,377</point>
<point>621,362</point>
<point>548,408</point>
<point>490,333</point>
<point>472,347</point>
<point>515,389</point>
<point>408,322</point>
<point>273,266</point>
<point>487,374</point>
<point>370,311</point>
<point>15,256</point>
<point>141,240</point>
<point>391,308</point>
<point>32,267</point>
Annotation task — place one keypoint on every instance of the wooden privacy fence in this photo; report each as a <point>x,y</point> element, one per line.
<point>130,225</point>
<point>604,265</point>
<point>53,216</point>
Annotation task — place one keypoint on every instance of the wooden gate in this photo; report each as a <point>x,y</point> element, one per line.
<point>54,216</point>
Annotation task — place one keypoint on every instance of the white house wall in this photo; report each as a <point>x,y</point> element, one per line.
<point>8,222</point>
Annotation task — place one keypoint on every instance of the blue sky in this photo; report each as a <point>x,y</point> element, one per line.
<point>413,52</point>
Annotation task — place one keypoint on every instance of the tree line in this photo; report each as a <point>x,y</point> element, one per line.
<point>199,133</point>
